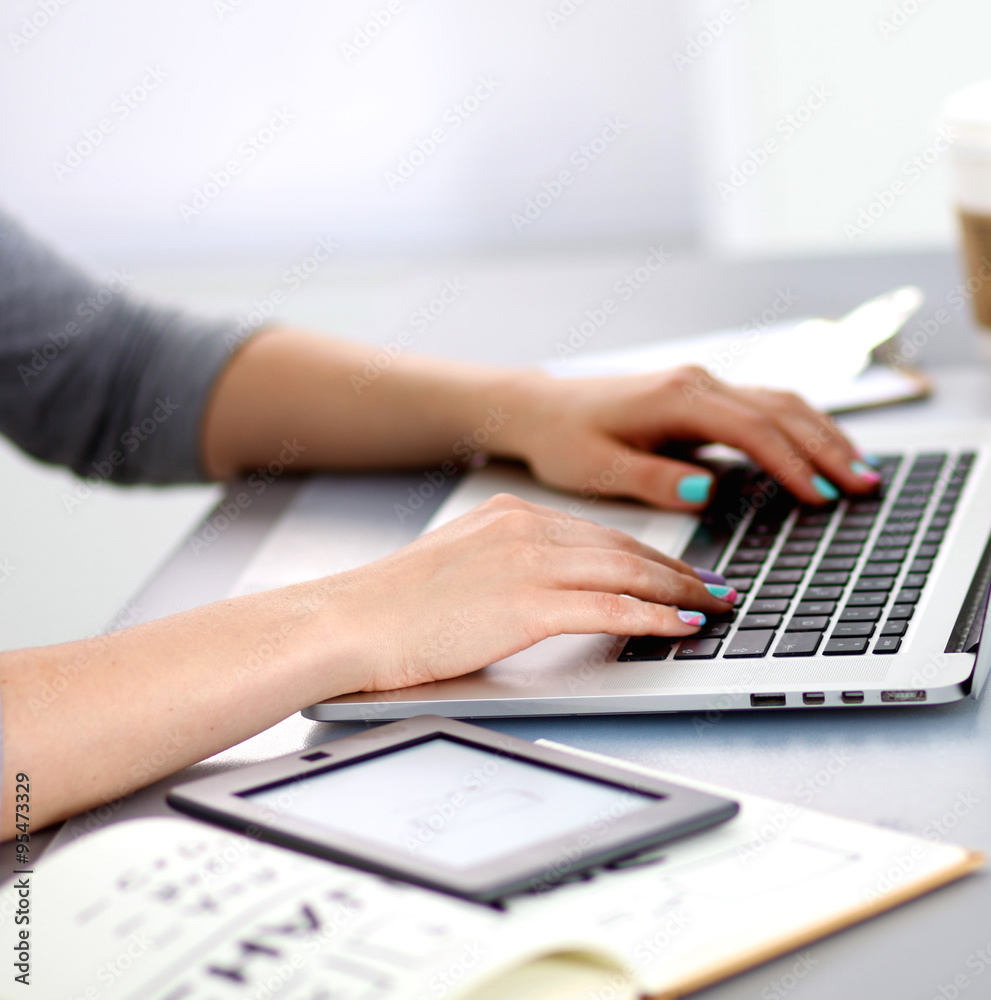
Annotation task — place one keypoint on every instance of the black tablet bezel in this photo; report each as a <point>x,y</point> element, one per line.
<point>221,798</point>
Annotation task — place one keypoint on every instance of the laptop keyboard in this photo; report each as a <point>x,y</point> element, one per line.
<point>837,580</point>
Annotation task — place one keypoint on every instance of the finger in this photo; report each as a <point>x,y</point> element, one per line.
<point>734,420</point>
<point>816,435</point>
<point>661,482</point>
<point>587,612</point>
<point>625,573</point>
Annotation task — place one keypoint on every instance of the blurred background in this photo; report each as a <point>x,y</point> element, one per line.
<point>209,147</point>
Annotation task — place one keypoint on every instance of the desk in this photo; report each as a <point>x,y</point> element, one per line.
<point>907,768</point>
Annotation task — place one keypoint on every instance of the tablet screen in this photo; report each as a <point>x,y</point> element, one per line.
<point>454,805</point>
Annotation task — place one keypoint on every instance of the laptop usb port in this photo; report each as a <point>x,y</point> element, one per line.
<point>903,695</point>
<point>852,697</point>
<point>767,700</point>
<point>814,698</point>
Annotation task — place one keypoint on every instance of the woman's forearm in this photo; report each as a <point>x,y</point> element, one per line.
<point>94,720</point>
<point>345,405</point>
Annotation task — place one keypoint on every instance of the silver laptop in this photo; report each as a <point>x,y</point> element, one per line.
<point>874,601</point>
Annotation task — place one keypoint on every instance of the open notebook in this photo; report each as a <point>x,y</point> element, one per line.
<point>174,909</point>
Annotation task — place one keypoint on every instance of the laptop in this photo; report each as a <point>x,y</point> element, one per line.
<point>868,601</point>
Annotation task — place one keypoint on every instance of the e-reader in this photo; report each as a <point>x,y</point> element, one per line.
<point>453,807</point>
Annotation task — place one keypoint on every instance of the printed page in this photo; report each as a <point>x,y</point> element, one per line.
<point>163,909</point>
<point>770,879</point>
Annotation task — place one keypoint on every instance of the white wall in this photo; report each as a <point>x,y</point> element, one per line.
<point>885,66</point>
<point>230,65</point>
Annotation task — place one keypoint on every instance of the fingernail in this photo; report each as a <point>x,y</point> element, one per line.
<point>862,471</point>
<point>692,617</point>
<point>710,576</point>
<point>874,460</point>
<point>825,488</point>
<point>695,488</point>
<point>723,593</point>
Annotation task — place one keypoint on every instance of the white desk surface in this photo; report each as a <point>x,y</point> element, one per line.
<point>904,768</point>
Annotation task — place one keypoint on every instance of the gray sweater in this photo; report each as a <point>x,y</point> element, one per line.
<point>91,378</point>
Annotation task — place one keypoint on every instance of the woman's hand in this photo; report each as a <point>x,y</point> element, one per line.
<point>500,578</point>
<point>597,435</point>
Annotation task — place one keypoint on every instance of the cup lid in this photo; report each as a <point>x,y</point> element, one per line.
<point>968,111</point>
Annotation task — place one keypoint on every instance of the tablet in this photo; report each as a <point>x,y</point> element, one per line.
<point>453,807</point>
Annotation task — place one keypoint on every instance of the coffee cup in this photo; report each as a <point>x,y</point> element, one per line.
<point>967,116</point>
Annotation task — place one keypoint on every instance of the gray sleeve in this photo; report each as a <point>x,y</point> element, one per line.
<point>95,380</point>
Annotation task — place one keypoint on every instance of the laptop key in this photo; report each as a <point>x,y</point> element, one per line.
<point>830,564</point>
<point>914,580</point>
<point>867,599</point>
<point>759,621</point>
<point>843,551</point>
<point>740,584</point>
<point>792,562</point>
<point>775,606</point>
<point>799,534</point>
<point>854,629</point>
<point>881,569</point>
<point>844,645</point>
<point>901,611</point>
<point>698,649</point>
<point>742,569</point>
<point>647,647</point>
<point>874,583</point>
<point>799,547</point>
<point>859,614</point>
<point>808,608</point>
<point>888,555</point>
<point>813,518</point>
<point>822,593</point>
<point>748,644</point>
<point>851,535</point>
<point>808,623</point>
<point>894,627</point>
<point>864,507</point>
<point>920,566</point>
<point>717,630</point>
<point>772,590</point>
<point>798,644</point>
<point>856,521</point>
<point>887,644</point>
<point>750,556</point>
<point>785,575</point>
<point>893,540</point>
<point>829,579</point>
<point>908,595</point>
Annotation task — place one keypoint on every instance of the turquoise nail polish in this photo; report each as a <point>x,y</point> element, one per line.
<point>864,472</point>
<point>825,488</point>
<point>694,489</point>
<point>874,460</point>
<point>723,593</point>
<point>692,617</point>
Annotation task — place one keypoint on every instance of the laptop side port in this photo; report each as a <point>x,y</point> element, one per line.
<point>767,700</point>
<point>852,697</point>
<point>899,696</point>
<point>814,697</point>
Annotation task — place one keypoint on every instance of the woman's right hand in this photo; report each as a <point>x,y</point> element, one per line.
<point>499,579</point>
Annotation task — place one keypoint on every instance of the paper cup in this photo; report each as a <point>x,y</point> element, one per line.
<point>968,115</point>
